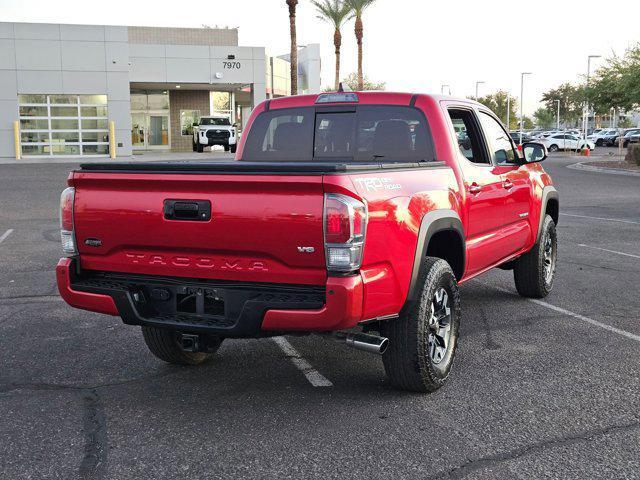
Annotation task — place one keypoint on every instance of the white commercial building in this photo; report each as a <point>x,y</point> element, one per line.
<point>64,84</point>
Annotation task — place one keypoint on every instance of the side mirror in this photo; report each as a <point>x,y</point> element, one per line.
<point>534,152</point>
<point>195,124</point>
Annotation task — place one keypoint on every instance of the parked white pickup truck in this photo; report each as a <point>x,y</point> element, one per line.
<point>214,130</point>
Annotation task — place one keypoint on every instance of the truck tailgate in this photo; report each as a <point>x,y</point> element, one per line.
<point>256,226</point>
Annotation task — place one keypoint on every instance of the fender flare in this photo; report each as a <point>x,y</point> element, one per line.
<point>548,192</point>
<point>433,222</point>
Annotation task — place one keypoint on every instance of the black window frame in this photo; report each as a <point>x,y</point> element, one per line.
<point>483,148</point>
<point>429,152</point>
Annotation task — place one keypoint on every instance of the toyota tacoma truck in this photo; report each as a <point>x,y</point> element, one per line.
<point>214,130</point>
<point>350,214</point>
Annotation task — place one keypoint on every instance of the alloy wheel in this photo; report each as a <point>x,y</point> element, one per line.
<point>439,337</point>
<point>549,258</point>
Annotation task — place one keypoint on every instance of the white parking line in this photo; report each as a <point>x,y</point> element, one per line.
<point>610,251</point>
<point>5,235</point>
<point>315,377</point>
<point>591,321</point>
<point>619,220</point>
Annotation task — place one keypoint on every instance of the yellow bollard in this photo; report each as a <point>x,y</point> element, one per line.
<point>112,139</point>
<point>16,139</point>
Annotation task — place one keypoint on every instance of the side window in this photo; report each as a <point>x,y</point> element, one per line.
<point>500,144</point>
<point>468,136</point>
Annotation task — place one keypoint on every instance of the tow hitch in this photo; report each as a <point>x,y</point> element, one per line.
<point>195,343</point>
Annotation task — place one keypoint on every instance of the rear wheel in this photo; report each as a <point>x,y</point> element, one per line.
<point>226,147</point>
<point>165,345</point>
<point>422,343</point>
<point>534,271</point>
<point>553,148</point>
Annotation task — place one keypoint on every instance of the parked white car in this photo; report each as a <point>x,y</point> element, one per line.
<point>565,141</point>
<point>214,130</point>
<point>599,137</point>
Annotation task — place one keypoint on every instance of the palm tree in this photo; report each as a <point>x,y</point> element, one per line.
<point>358,7</point>
<point>294,46</point>
<point>335,12</point>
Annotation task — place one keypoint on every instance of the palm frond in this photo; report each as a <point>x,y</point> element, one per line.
<point>358,6</point>
<point>335,12</point>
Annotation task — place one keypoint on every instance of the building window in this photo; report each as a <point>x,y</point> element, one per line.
<point>187,119</point>
<point>65,125</point>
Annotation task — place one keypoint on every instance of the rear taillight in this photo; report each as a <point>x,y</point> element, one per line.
<point>345,227</point>
<point>66,221</point>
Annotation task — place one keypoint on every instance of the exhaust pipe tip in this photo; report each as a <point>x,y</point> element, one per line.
<point>367,343</point>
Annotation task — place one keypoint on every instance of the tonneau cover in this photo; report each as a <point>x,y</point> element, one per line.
<point>249,167</point>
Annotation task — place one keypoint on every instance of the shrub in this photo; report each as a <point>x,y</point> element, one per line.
<point>633,154</point>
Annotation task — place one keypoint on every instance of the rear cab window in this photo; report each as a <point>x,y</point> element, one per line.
<point>344,133</point>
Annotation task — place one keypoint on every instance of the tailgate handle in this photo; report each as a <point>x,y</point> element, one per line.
<point>194,210</point>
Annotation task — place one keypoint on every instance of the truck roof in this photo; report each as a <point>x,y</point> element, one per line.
<point>364,98</point>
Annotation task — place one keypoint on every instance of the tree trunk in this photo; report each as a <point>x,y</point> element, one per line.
<point>359,34</point>
<point>337,42</point>
<point>294,46</point>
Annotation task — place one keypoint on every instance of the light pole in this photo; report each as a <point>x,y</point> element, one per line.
<point>522,102</point>
<point>558,116</point>
<point>477,84</point>
<point>611,115</point>
<point>585,120</point>
<point>508,110</point>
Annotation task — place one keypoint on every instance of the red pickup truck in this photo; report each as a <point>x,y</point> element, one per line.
<point>355,214</point>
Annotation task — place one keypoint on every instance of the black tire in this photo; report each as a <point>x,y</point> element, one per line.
<point>194,146</point>
<point>599,142</point>
<point>408,361</point>
<point>226,147</point>
<point>199,147</point>
<point>534,271</point>
<point>164,345</point>
<point>553,148</point>
<point>233,148</point>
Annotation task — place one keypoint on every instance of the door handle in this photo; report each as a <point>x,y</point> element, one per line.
<point>194,210</point>
<point>474,188</point>
<point>507,184</point>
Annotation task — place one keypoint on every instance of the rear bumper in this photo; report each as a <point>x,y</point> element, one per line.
<point>83,300</point>
<point>244,310</point>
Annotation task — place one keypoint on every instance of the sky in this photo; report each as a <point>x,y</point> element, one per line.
<point>412,45</point>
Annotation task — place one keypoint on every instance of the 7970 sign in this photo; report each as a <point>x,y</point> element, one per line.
<point>231,65</point>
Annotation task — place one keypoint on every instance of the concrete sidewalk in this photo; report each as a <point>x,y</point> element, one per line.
<point>146,156</point>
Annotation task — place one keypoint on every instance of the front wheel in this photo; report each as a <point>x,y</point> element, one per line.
<point>422,342</point>
<point>534,271</point>
<point>233,148</point>
<point>165,345</point>
<point>199,147</point>
<point>553,148</point>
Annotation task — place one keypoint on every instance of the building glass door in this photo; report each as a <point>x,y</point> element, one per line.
<point>150,120</point>
<point>158,136</point>
<point>138,130</point>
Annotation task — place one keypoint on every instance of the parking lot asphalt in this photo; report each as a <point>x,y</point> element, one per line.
<point>540,389</point>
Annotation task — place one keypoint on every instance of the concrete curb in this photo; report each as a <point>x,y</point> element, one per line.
<point>593,168</point>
